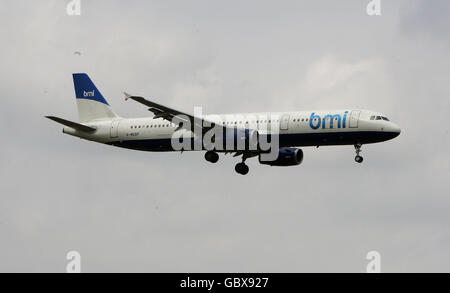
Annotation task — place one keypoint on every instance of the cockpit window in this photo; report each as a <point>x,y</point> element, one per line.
<point>372,118</point>
<point>378,117</point>
<point>385,118</point>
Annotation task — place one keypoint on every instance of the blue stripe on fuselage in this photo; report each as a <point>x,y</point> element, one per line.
<point>286,140</point>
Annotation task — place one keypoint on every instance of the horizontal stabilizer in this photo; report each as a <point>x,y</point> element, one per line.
<point>71,124</point>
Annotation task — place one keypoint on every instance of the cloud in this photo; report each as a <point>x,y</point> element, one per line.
<point>135,211</point>
<point>329,73</point>
<point>427,19</point>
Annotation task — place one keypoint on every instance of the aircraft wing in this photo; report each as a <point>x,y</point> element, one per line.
<point>168,114</point>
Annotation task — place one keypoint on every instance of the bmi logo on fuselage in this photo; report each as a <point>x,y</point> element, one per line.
<point>327,121</point>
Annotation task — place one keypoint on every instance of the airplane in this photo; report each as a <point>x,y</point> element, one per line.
<point>99,123</point>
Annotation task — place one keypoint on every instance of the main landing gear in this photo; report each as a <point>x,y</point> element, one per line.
<point>241,168</point>
<point>358,158</point>
<point>212,157</point>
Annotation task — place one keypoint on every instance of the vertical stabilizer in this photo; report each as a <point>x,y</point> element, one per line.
<point>91,103</point>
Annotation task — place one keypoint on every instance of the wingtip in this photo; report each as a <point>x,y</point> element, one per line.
<point>127,96</point>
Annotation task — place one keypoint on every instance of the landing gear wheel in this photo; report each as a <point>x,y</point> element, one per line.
<point>241,168</point>
<point>212,157</point>
<point>358,158</point>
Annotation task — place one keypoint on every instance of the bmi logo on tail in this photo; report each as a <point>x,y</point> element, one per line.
<point>89,93</point>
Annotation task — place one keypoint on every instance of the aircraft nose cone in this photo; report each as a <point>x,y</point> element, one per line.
<point>396,130</point>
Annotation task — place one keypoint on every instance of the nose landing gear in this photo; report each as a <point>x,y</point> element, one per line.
<point>358,158</point>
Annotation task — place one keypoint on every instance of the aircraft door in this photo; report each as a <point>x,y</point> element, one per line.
<point>354,118</point>
<point>115,129</point>
<point>284,122</point>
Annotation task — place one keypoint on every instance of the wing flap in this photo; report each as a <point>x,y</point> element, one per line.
<point>167,113</point>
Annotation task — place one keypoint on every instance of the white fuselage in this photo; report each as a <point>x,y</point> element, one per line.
<point>305,128</point>
<point>275,137</point>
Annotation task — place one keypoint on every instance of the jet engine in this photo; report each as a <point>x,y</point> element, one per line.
<point>286,157</point>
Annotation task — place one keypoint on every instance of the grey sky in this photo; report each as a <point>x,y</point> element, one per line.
<point>127,211</point>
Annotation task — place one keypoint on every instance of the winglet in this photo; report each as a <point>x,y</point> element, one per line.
<point>127,96</point>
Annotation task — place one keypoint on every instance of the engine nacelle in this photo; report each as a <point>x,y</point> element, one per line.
<point>286,157</point>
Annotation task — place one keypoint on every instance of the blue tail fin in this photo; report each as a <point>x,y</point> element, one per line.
<point>91,103</point>
<point>86,89</point>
